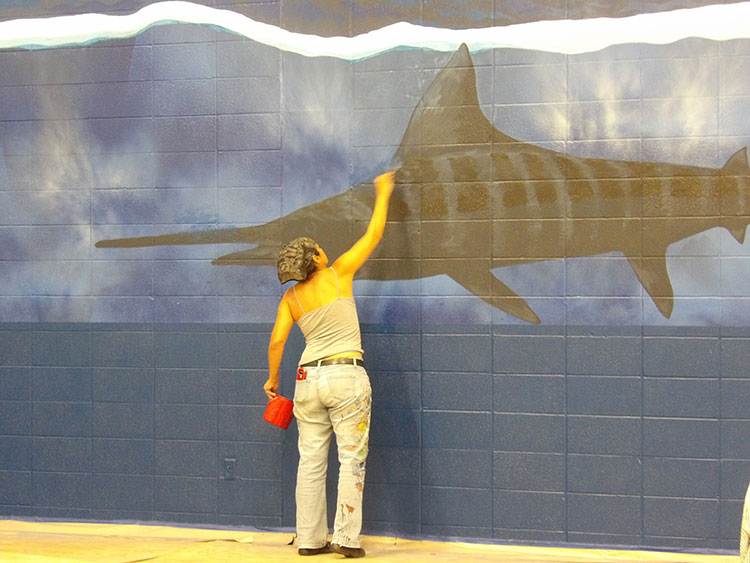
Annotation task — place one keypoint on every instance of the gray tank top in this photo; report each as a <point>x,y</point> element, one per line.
<point>330,329</point>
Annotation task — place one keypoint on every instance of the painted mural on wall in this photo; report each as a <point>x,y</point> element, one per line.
<point>524,203</point>
<point>532,177</point>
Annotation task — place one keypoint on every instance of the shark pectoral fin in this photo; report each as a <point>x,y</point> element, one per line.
<point>506,299</point>
<point>653,275</point>
<point>501,296</point>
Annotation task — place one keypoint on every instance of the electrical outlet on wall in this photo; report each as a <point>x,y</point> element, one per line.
<point>228,468</point>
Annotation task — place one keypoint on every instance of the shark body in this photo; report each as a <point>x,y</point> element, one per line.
<point>470,199</point>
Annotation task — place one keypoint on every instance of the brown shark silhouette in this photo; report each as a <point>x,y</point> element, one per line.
<point>470,198</point>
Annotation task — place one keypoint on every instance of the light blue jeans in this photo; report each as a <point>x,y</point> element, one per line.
<point>331,399</point>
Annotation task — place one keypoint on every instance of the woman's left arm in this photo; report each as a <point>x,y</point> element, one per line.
<point>279,336</point>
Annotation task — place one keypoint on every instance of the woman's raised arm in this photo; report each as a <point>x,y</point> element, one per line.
<point>353,259</point>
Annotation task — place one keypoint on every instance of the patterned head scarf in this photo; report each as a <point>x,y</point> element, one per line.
<point>296,260</point>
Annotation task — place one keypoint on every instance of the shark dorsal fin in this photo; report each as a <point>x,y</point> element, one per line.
<point>454,85</point>
<point>448,112</point>
<point>737,163</point>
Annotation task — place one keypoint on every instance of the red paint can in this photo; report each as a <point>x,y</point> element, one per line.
<point>279,411</point>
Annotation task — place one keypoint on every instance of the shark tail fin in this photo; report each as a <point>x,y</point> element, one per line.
<point>737,165</point>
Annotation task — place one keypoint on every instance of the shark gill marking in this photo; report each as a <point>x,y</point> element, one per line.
<point>469,198</point>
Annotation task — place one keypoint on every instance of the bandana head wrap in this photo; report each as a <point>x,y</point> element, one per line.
<point>296,260</point>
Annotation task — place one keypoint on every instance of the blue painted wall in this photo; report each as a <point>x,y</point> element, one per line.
<point>504,432</point>
<point>127,376</point>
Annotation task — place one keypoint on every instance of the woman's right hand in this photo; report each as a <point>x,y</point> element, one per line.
<point>385,183</point>
<point>350,261</point>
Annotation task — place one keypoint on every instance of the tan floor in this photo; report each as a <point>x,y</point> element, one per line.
<point>114,543</point>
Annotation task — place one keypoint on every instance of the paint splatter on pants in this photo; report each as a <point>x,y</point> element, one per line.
<point>331,399</point>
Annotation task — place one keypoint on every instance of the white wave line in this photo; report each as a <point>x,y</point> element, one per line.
<point>716,22</point>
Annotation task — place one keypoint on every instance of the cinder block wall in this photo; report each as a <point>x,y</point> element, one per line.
<point>592,441</point>
<point>122,395</point>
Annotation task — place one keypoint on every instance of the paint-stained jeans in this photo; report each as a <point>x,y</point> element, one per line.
<point>332,399</point>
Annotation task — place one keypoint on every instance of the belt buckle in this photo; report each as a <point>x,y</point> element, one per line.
<point>301,374</point>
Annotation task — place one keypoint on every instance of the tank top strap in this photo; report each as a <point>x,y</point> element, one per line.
<point>335,275</point>
<point>294,290</point>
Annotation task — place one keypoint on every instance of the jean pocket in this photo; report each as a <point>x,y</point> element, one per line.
<point>301,391</point>
<point>347,384</point>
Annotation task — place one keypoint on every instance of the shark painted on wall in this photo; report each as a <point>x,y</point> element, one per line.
<point>471,199</point>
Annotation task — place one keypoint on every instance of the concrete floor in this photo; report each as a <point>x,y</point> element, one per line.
<point>41,542</point>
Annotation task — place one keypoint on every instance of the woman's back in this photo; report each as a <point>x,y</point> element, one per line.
<point>327,319</point>
<point>320,289</point>
<point>322,285</point>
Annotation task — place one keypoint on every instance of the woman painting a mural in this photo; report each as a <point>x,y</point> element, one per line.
<point>332,393</point>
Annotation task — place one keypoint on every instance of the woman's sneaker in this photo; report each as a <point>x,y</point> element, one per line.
<point>315,550</point>
<point>348,551</point>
